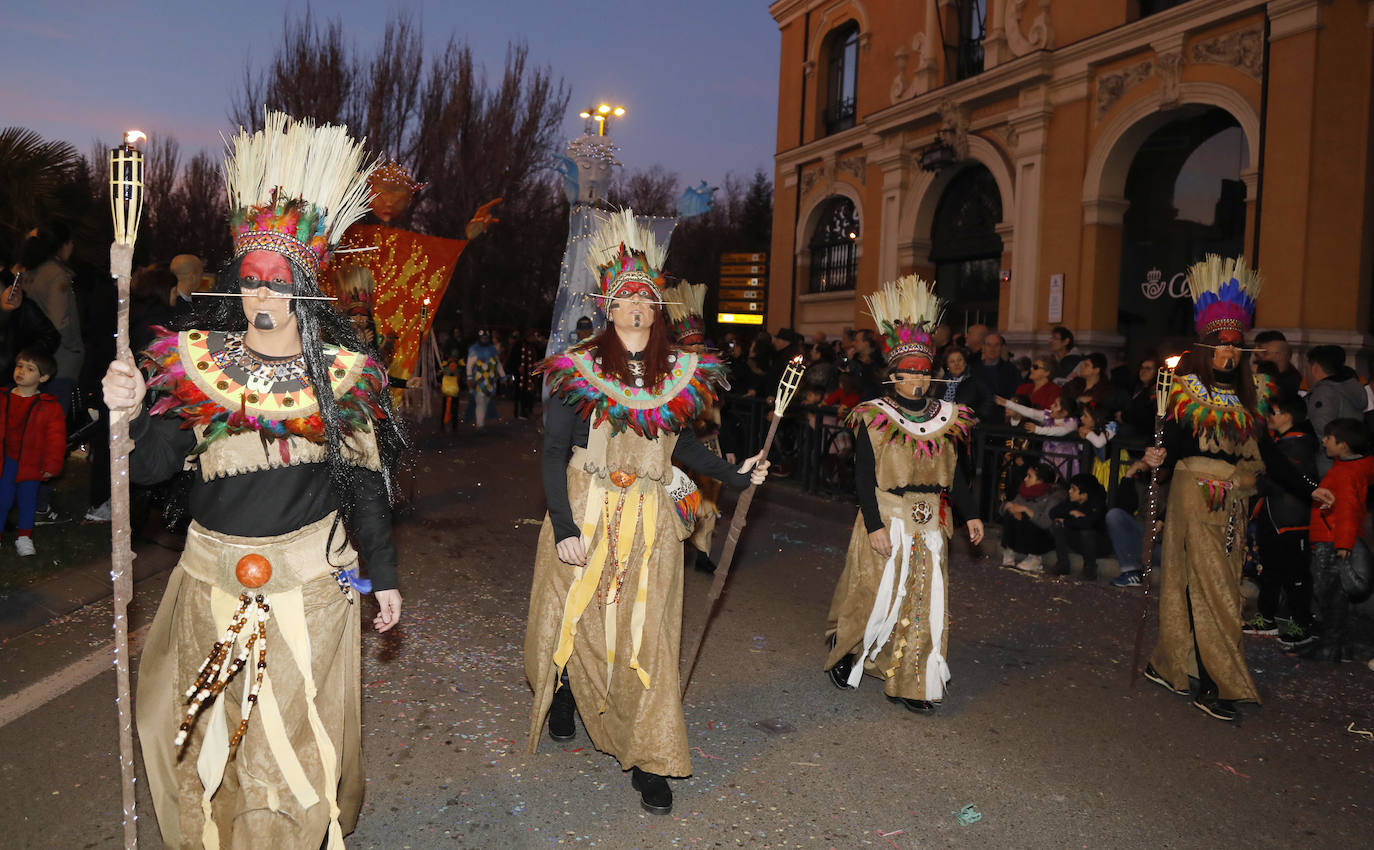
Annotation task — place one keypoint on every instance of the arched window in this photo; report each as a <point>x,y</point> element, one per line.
<point>842,78</point>
<point>834,247</point>
<point>966,249</point>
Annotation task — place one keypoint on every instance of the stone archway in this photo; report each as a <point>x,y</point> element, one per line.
<point>917,215</point>
<point>813,206</point>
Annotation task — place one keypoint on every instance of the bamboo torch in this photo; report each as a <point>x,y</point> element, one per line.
<point>126,207</point>
<point>787,387</point>
<point>1164,379</point>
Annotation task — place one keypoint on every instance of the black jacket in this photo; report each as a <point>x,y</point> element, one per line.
<point>1286,511</point>
<point>1094,511</point>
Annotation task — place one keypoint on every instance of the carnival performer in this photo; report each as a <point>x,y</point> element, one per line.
<point>685,303</point>
<point>484,371</point>
<point>288,420</point>
<point>1216,440</point>
<point>605,618</point>
<point>889,615</point>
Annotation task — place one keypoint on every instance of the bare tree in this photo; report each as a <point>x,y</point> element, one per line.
<point>389,90</point>
<point>312,75</point>
<point>652,191</point>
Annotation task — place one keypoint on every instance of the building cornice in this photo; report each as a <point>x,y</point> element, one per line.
<point>787,11</point>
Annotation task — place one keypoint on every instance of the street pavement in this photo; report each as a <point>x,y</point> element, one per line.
<point>1041,733</point>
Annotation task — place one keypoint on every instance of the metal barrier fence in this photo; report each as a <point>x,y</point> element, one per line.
<point>814,447</point>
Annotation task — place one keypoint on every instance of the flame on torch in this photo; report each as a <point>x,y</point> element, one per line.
<point>1163,381</point>
<point>787,387</point>
<point>133,136</point>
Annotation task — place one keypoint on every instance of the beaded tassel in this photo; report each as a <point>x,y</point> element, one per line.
<point>214,675</point>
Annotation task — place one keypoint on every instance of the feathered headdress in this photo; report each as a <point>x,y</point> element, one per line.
<point>905,311</point>
<point>1224,292</point>
<point>294,189</point>
<point>686,305</point>
<point>625,256</point>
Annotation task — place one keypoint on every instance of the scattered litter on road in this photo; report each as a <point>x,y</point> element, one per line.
<point>806,764</point>
<point>706,754</point>
<point>1229,769</point>
<point>1364,733</point>
<point>774,726</point>
<point>968,815</point>
<point>884,835</point>
<point>1060,599</point>
<point>529,520</point>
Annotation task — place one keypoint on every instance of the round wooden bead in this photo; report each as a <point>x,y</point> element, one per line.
<point>253,571</point>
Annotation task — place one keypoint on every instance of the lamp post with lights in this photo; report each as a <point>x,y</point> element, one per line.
<point>601,115</point>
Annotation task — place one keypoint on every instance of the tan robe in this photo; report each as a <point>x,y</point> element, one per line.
<point>301,756</point>
<point>640,724</point>
<point>1197,566</point>
<point>902,621</point>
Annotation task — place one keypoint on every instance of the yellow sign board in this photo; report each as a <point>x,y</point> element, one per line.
<point>739,319</point>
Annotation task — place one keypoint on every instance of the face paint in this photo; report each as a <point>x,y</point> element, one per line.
<point>264,322</point>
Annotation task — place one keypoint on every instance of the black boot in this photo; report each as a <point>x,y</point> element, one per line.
<point>703,563</point>
<point>654,794</point>
<point>561,725</point>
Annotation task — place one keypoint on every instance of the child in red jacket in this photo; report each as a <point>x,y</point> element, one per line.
<point>33,440</point>
<point>1340,562</point>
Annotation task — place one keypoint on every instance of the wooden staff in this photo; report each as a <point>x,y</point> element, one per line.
<point>787,387</point>
<point>126,202</point>
<point>1164,379</point>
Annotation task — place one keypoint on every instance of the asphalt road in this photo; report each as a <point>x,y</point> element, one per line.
<point>1040,732</point>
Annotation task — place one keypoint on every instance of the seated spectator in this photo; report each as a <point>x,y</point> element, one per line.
<point>1026,521</point>
<point>1061,346</point>
<point>1040,389</point>
<point>1080,525</point>
<point>1126,534</point>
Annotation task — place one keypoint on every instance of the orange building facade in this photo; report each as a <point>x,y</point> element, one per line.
<point>1062,162</point>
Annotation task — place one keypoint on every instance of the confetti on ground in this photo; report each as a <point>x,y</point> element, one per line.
<point>1229,769</point>
<point>968,815</point>
<point>529,520</point>
<point>1365,733</point>
<point>706,754</point>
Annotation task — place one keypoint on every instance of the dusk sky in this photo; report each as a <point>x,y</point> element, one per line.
<point>699,77</point>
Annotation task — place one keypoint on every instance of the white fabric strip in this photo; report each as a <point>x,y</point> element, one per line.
<point>937,670</point>
<point>887,605</point>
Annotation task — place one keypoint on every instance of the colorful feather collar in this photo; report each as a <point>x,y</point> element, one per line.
<point>689,389</point>
<point>951,423</point>
<point>208,395</point>
<point>1218,413</point>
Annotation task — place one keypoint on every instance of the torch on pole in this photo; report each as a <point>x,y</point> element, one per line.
<point>1164,379</point>
<point>787,387</point>
<point>126,207</point>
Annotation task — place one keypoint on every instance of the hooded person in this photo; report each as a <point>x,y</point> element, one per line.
<point>484,372</point>
<point>286,420</point>
<point>889,614</point>
<point>1215,438</point>
<point>605,619</point>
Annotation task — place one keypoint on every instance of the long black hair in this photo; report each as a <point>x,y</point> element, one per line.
<point>320,324</point>
<point>1197,360</point>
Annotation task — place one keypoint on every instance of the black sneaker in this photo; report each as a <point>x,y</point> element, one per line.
<point>1221,709</point>
<point>654,794</point>
<point>1130,578</point>
<point>915,706</point>
<point>1260,625</point>
<point>48,517</point>
<point>561,725</point>
<point>1295,636</point>
<point>1153,675</point>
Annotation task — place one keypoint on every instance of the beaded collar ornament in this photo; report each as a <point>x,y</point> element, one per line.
<point>1224,292</point>
<point>687,391</point>
<point>905,310</point>
<point>927,438</point>
<point>1215,414</point>
<point>294,188</point>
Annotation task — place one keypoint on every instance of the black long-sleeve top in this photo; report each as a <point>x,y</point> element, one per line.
<point>268,502</point>
<point>564,429</point>
<point>1180,443</point>
<point>866,483</point>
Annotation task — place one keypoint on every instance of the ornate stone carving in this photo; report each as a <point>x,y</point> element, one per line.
<point>855,166</point>
<point>954,122</point>
<point>809,181</point>
<point>898,91</point>
<point>1041,33</point>
<point>920,81</point>
<point>1111,87</point>
<point>1240,49</point>
<point>1010,137</point>
<point>1170,75</point>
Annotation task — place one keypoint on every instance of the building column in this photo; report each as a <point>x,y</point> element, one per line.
<point>1030,122</point>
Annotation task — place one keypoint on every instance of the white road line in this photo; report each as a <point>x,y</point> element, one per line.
<point>72,676</point>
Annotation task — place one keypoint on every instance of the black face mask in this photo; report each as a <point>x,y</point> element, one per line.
<point>1226,377</point>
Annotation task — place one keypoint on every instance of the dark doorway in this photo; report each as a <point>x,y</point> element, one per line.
<point>965,247</point>
<point>1186,200</point>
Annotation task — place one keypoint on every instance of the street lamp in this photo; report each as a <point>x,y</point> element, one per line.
<point>602,115</point>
